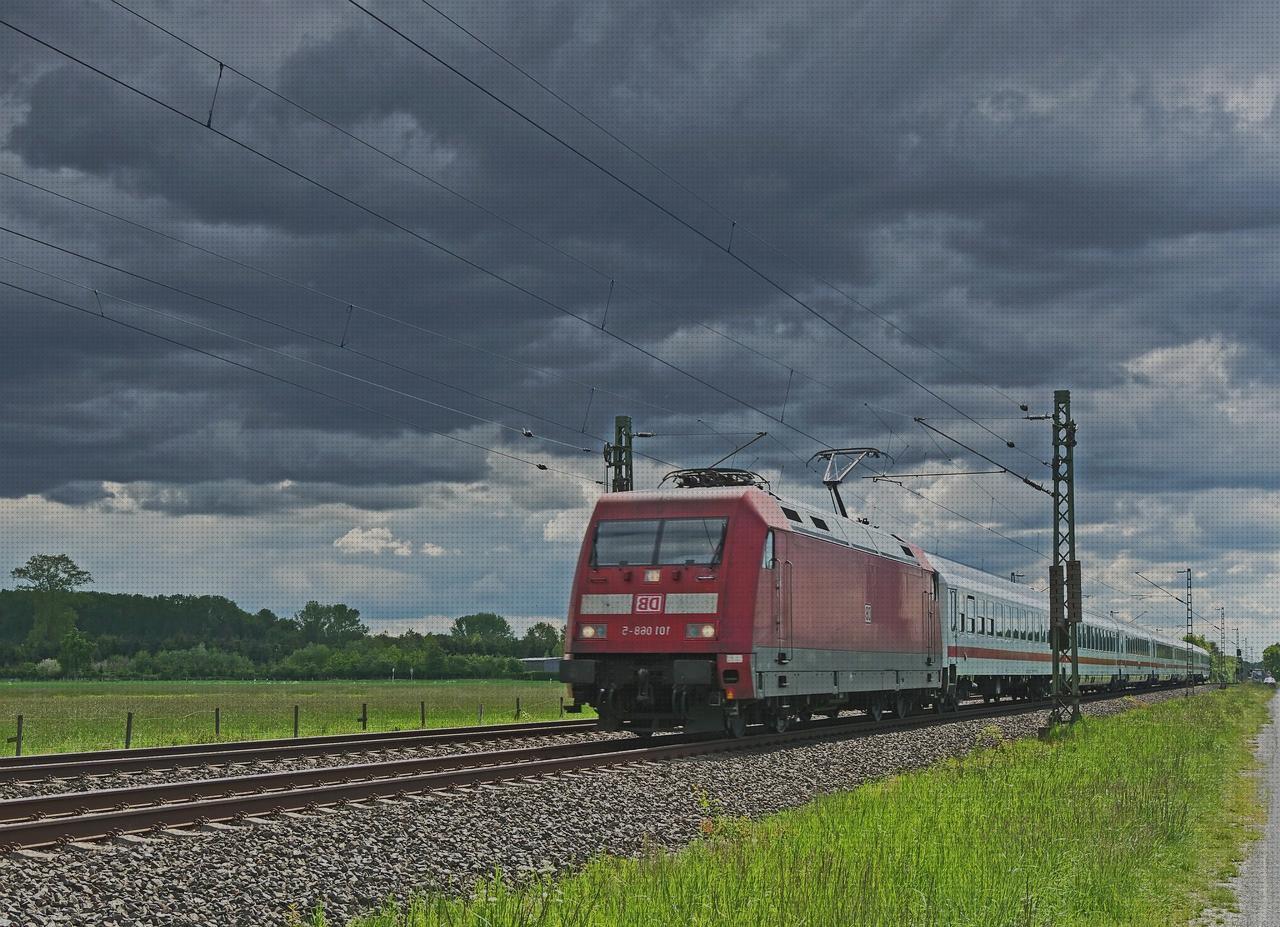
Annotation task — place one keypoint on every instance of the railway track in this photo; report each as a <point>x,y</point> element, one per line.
<point>103,762</point>
<point>51,820</point>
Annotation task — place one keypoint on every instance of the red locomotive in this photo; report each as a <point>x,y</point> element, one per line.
<point>715,608</point>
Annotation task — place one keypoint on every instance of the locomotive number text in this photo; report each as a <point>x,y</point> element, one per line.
<point>646,630</point>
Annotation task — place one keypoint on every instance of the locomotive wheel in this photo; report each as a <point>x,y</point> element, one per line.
<point>780,723</point>
<point>902,705</point>
<point>736,726</point>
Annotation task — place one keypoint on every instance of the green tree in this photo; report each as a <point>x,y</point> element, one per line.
<point>51,573</point>
<point>542,640</point>
<point>328,624</point>
<point>51,577</point>
<point>74,651</point>
<point>53,619</point>
<point>1201,641</point>
<point>1271,660</point>
<point>484,632</point>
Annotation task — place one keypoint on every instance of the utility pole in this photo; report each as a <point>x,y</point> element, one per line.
<point>618,458</point>
<point>1065,603</point>
<point>1190,629</point>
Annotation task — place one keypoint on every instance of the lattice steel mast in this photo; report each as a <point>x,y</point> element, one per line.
<point>1191,628</point>
<point>1065,601</point>
<point>618,456</point>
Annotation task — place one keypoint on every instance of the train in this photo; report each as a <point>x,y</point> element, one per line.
<point>716,608</point>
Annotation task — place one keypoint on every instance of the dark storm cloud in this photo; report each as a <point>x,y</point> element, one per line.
<point>1046,194</point>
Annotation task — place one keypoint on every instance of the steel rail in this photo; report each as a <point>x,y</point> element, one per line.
<point>302,793</point>
<point>116,799</point>
<point>99,762</point>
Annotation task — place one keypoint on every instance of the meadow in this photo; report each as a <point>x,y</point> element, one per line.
<point>1129,820</point>
<point>65,716</point>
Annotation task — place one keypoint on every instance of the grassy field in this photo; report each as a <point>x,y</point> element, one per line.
<point>61,716</point>
<point>1127,821</point>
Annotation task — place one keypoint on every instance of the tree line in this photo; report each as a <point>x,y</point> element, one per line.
<point>50,627</point>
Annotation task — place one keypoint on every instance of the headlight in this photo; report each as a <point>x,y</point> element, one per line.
<point>590,631</point>
<point>695,631</point>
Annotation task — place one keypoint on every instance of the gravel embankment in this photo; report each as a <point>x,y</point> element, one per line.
<point>189,773</point>
<point>354,858</point>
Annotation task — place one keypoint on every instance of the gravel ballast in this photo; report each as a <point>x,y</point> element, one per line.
<point>354,858</point>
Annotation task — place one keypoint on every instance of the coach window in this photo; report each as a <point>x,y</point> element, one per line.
<point>971,611</point>
<point>953,609</point>
<point>768,551</point>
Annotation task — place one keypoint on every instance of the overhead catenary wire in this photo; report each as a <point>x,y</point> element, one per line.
<point>538,465</point>
<point>995,463</point>
<point>974,483</point>
<point>357,306</point>
<point>603,274</point>
<point>971,521</point>
<point>98,292</point>
<point>736,224</point>
<point>734,256</point>
<point>1176,598</point>
<point>905,476</point>
<point>544,300</point>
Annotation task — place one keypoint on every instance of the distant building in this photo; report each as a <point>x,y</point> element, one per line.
<point>542,666</point>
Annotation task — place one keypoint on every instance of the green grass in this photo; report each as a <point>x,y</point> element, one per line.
<point>1128,820</point>
<point>63,716</point>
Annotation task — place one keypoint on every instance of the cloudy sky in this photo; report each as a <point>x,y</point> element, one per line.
<point>340,289</point>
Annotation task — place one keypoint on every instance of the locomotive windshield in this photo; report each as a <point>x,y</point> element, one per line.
<point>653,542</point>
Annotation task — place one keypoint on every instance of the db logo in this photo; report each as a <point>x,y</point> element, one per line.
<point>648,604</point>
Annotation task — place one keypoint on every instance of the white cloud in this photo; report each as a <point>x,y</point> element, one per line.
<point>376,541</point>
<point>434,550</point>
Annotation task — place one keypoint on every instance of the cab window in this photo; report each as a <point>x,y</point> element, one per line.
<point>653,542</point>
<point>767,563</point>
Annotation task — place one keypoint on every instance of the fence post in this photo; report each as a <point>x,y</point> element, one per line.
<point>128,730</point>
<point>16,739</point>
<point>517,708</point>
<point>422,710</point>
<point>295,720</point>
<point>217,723</point>
<point>480,714</point>
<point>562,706</point>
<point>364,716</point>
